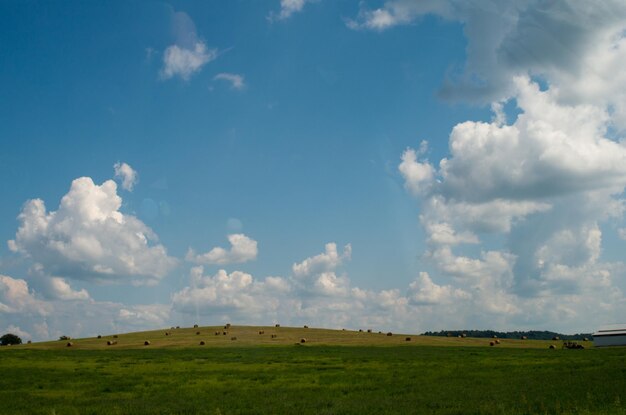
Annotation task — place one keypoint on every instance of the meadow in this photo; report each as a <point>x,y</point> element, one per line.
<point>334,372</point>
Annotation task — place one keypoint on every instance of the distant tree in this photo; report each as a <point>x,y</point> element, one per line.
<point>10,339</point>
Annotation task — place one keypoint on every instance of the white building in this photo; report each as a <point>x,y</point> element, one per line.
<point>614,336</point>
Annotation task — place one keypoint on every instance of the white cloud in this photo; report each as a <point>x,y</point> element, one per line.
<point>126,174</point>
<point>234,294</point>
<point>578,47</point>
<point>189,53</point>
<point>15,297</point>
<point>395,13</point>
<point>423,291</point>
<point>88,238</point>
<point>236,81</point>
<point>327,261</point>
<point>243,249</point>
<point>288,8</point>
<point>179,61</point>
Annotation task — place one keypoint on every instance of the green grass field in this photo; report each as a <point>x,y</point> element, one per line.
<point>334,372</point>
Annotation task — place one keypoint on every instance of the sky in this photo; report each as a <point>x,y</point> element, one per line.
<point>405,165</point>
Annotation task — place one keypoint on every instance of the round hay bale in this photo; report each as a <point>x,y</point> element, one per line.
<point>167,333</point>
<point>497,341</point>
<point>177,327</point>
<point>99,336</point>
<point>195,326</point>
<point>306,327</point>
<point>227,326</point>
<point>202,343</point>
<point>408,339</point>
<point>224,333</point>
<point>274,336</point>
<point>495,337</point>
<point>360,330</point>
<point>261,332</point>
<point>277,325</point>
<point>552,347</point>
<point>585,339</point>
<point>233,338</point>
<point>492,343</point>
<point>217,333</point>
<point>29,342</point>
<point>197,333</point>
<point>390,334</point>
<point>146,343</point>
<point>524,338</point>
<point>69,344</point>
<point>463,335</point>
<point>303,340</point>
<point>109,343</point>
<point>369,330</point>
<point>555,338</point>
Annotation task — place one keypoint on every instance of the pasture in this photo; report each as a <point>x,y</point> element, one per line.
<point>333,372</point>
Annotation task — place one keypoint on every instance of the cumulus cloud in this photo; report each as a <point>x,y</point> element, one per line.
<point>578,47</point>
<point>15,297</point>
<point>88,238</point>
<point>236,81</point>
<point>189,53</point>
<point>327,261</point>
<point>126,174</point>
<point>243,249</point>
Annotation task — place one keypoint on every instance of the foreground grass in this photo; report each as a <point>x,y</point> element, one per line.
<point>313,380</point>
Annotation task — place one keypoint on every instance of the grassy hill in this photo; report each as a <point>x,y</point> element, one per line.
<point>333,372</point>
<point>246,336</point>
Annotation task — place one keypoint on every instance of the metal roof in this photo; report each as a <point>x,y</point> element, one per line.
<point>613,331</point>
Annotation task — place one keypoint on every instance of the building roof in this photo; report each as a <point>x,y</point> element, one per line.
<point>613,331</point>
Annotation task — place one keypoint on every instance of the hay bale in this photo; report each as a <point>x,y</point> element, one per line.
<point>146,343</point>
<point>390,334</point>
<point>166,333</point>
<point>227,326</point>
<point>556,338</point>
<point>29,342</point>
<point>197,333</point>
<point>492,343</point>
<point>495,337</point>
<point>497,341</point>
<point>224,333</point>
<point>69,344</point>
<point>177,327</point>
<point>261,331</point>
<point>552,347</point>
<point>217,333</point>
<point>202,343</point>
<point>306,327</point>
<point>303,340</point>
<point>585,339</point>
<point>524,338</point>
<point>109,343</point>
<point>463,335</point>
<point>233,338</point>
<point>408,339</point>
<point>277,325</point>
<point>360,330</point>
<point>195,326</point>
<point>274,336</point>
<point>369,330</point>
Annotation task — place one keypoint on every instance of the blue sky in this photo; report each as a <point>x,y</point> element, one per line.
<point>281,161</point>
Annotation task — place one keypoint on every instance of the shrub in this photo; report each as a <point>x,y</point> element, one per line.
<point>10,338</point>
